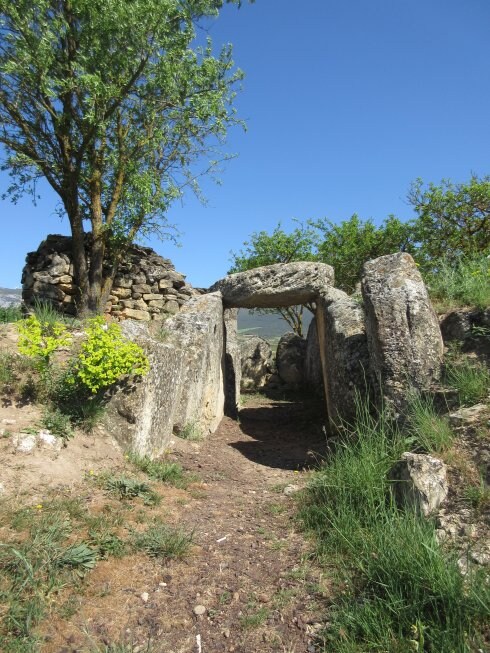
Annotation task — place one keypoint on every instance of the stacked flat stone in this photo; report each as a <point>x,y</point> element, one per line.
<point>146,287</point>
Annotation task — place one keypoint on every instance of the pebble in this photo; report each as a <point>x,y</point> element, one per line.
<point>226,633</point>
<point>8,421</point>
<point>199,610</point>
<point>291,489</point>
<point>144,597</point>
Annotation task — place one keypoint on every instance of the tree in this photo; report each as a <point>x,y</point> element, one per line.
<point>453,219</point>
<point>278,247</point>
<point>109,102</point>
<point>348,245</point>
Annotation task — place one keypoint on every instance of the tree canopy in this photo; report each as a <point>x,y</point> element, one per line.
<point>114,104</point>
<point>278,247</point>
<point>453,219</point>
<point>349,244</point>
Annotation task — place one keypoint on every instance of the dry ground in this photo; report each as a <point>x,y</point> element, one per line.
<point>248,565</point>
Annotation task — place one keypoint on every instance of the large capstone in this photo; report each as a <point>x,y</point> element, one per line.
<point>185,384</point>
<point>404,337</point>
<point>273,286</point>
<point>344,353</point>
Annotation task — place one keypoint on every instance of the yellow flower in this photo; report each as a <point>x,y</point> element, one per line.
<point>39,506</point>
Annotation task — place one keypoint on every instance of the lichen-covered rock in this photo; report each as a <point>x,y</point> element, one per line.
<point>185,382</point>
<point>233,371</point>
<point>404,337</point>
<point>313,364</point>
<point>256,363</point>
<point>344,353</point>
<point>272,286</point>
<point>420,482</point>
<point>290,359</point>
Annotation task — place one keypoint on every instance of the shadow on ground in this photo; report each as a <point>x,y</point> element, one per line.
<point>284,435</point>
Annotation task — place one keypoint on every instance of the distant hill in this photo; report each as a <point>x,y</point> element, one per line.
<point>10,296</point>
<point>270,326</point>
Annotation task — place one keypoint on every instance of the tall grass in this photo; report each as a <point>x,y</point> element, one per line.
<point>465,283</point>
<point>428,431</point>
<point>10,314</point>
<point>471,379</point>
<point>399,591</point>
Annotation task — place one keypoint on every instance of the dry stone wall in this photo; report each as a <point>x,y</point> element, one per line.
<point>147,287</point>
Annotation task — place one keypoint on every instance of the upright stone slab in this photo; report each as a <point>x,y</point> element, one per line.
<point>256,363</point>
<point>198,329</point>
<point>290,359</point>
<point>273,286</point>
<point>344,353</point>
<point>233,371</point>
<point>313,362</point>
<point>404,337</point>
<point>185,382</point>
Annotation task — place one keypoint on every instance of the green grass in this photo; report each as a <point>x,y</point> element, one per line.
<point>429,431</point>
<point>33,568</point>
<point>10,314</point>
<point>190,431</point>
<point>162,541</point>
<point>161,470</point>
<point>465,283</point>
<point>396,586</point>
<point>47,314</point>
<point>57,423</point>
<point>254,617</point>
<point>471,379</point>
<point>130,488</point>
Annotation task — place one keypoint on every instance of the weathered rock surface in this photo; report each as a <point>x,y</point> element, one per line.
<point>462,323</point>
<point>313,363</point>
<point>233,363</point>
<point>403,333</point>
<point>420,482</point>
<point>290,359</point>
<point>185,383</point>
<point>470,415</point>
<point>344,353</point>
<point>256,363</point>
<point>272,286</point>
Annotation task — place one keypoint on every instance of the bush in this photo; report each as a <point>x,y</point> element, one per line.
<point>39,340</point>
<point>106,356</point>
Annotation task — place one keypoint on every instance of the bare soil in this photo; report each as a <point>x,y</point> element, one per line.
<point>248,567</point>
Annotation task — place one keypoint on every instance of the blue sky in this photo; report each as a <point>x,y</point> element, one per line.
<point>346,102</point>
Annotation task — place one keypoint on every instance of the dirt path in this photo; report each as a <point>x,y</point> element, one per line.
<point>246,586</point>
<point>250,572</point>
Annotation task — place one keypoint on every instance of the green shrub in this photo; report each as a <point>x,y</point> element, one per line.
<point>462,283</point>
<point>106,356</point>
<point>471,379</point>
<point>39,340</point>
